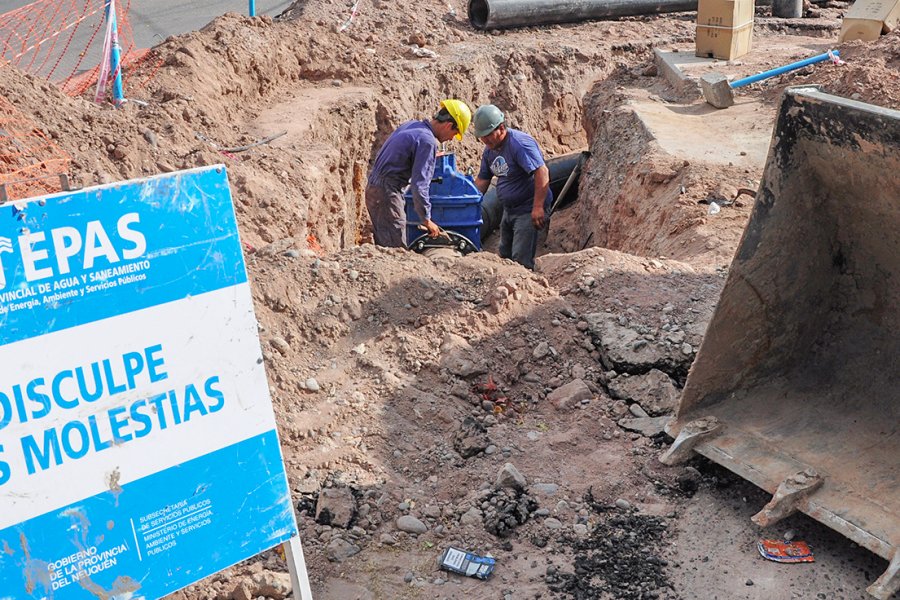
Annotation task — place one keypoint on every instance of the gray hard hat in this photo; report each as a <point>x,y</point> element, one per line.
<point>486,119</point>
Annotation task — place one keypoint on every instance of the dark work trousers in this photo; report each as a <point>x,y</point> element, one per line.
<point>386,209</point>
<point>518,238</point>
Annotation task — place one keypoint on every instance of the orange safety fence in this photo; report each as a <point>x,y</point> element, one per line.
<point>30,164</point>
<point>62,40</point>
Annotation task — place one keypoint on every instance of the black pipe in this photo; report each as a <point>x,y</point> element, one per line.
<point>560,168</point>
<point>787,9</point>
<point>498,14</point>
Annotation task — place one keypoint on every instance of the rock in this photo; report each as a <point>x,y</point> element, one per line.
<point>676,337</point>
<point>242,592</point>
<point>311,384</point>
<point>570,394</point>
<point>687,349</point>
<point>271,585</point>
<point>387,539</point>
<point>409,577</point>
<point>655,391</point>
<point>510,477</point>
<point>637,411</point>
<point>540,351</point>
<point>336,507</point>
<point>580,529</point>
<point>281,345</point>
<point>417,38</point>
<point>458,357</point>
<point>432,511</point>
<point>618,409</point>
<point>545,489</point>
<point>151,137</point>
<point>473,517</point>
<point>551,523</point>
<point>410,524</point>
<point>689,480</point>
<point>505,509</point>
<point>339,550</point>
<point>624,349</point>
<point>623,504</point>
<point>646,426</point>
<point>578,371</point>
<point>471,438</point>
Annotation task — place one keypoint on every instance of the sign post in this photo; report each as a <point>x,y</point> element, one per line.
<point>138,447</point>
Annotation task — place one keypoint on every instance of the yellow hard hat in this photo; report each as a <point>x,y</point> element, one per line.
<point>460,113</point>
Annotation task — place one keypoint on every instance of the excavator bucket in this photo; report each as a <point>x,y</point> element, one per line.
<point>796,386</point>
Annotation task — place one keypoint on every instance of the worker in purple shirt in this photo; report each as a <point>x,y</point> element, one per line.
<point>408,157</point>
<point>523,183</point>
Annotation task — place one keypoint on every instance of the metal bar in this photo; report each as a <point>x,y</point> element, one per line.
<point>499,14</point>
<point>252,8</point>
<point>575,172</point>
<point>779,70</point>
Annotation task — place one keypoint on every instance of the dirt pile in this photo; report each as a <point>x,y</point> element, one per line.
<point>871,73</point>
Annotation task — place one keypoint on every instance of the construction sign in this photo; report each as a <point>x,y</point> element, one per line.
<point>138,450</point>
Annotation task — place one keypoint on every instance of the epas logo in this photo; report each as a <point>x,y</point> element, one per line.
<point>57,252</point>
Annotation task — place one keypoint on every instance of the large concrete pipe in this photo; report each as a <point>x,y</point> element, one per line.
<point>499,14</point>
<point>560,169</point>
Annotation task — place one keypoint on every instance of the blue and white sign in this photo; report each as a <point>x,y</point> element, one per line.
<point>138,450</point>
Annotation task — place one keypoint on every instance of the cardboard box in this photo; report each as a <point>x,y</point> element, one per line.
<point>868,19</point>
<point>725,44</point>
<point>724,28</point>
<point>725,13</point>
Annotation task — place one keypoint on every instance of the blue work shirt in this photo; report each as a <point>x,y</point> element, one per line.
<point>514,164</point>
<point>408,156</point>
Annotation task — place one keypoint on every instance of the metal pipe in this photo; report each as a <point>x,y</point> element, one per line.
<point>499,14</point>
<point>830,55</point>
<point>787,9</point>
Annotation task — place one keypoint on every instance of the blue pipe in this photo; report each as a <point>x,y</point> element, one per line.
<point>252,8</point>
<point>115,55</point>
<point>779,70</point>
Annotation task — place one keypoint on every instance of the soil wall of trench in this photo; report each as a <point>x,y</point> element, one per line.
<point>636,197</point>
<point>239,80</point>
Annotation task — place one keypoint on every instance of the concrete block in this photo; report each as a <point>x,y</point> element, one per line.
<point>716,90</point>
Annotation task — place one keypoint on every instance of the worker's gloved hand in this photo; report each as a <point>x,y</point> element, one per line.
<point>432,228</point>
<point>537,217</point>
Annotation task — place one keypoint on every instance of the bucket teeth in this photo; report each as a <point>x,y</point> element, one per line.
<point>688,437</point>
<point>889,582</point>
<point>790,493</point>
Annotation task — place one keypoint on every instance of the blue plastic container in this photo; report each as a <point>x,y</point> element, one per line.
<point>455,203</point>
